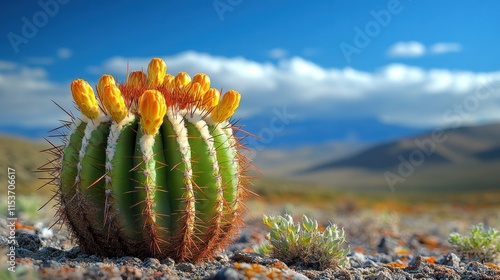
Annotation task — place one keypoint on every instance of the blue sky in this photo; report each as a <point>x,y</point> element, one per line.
<point>364,70</point>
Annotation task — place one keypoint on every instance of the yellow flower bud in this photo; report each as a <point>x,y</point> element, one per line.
<point>157,69</point>
<point>169,81</point>
<point>182,79</point>
<point>193,91</point>
<point>113,102</point>
<point>83,94</point>
<point>103,81</point>
<point>211,98</point>
<point>203,80</point>
<point>137,79</point>
<point>225,109</point>
<point>152,108</point>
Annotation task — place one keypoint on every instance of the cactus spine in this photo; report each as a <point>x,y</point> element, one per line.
<point>153,169</point>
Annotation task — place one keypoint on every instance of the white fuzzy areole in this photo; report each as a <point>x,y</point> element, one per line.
<point>147,141</point>
<point>72,129</point>
<point>114,135</point>
<point>202,127</point>
<point>176,118</point>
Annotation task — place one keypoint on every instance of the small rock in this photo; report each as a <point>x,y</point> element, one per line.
<point>382,258</point>
<point>357,259</point>
<point>381,275</point>
<point>248,257</point>
<point>51,252</point>
<point>168,261</point>
<point>134,261</point>
<point>94,258</point>
<point>369,263</point>
<point>477,267</point>
<point>186,267</point>
<point>451,260</point>
<point>416,263</point>
<point>222,258</point>
<point>28,241</point>
<point>296,275</point>
<point>387,245</point>
<point>359,256</point>
<point>50,264</point>
<point>228,273</point>
<point>151,262</point>
<point>129,272</point>
<point>164,268</point>
<point>23,253</point>
<point>279,264</point>
<point>413,243</point>
<point>74,252</point>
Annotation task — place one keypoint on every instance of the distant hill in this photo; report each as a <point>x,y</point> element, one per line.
<point>468,159</point>
<point>462,158</point>
<point>24,156</point>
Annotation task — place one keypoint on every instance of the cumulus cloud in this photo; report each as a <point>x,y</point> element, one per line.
<point>25,97</point>
<point>395,94</point>
<point>62,53</point>
<point>417,49</point>
<point>407,49</point>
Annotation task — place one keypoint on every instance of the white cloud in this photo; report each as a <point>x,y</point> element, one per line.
<point>278,53</point>
<point>25,98</point>
<point>396,93</point>
<point>7,65</point>
<point>417,49</point>
<point>64,53</point>
<point>442,48</point>
<point>407,49</point>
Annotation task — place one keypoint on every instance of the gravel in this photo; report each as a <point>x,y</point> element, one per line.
<point>43,253</point>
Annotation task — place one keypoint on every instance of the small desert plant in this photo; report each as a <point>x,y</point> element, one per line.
<point>152,167</point>
<point>481,245</point>
<point>307,244</point>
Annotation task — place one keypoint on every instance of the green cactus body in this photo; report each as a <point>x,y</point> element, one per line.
<point>163,178</point>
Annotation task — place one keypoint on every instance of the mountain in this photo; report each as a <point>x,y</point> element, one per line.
<point>461,158</point>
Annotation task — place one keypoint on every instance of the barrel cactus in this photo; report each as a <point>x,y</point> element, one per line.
<point>152,167</point>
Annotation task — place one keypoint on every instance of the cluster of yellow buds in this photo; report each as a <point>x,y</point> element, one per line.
<point>150,96</point>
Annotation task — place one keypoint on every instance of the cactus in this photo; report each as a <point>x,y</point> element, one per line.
<point>152,168</point>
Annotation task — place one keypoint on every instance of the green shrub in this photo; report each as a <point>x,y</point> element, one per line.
<point>481,245</point>
<point>304,243</point>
